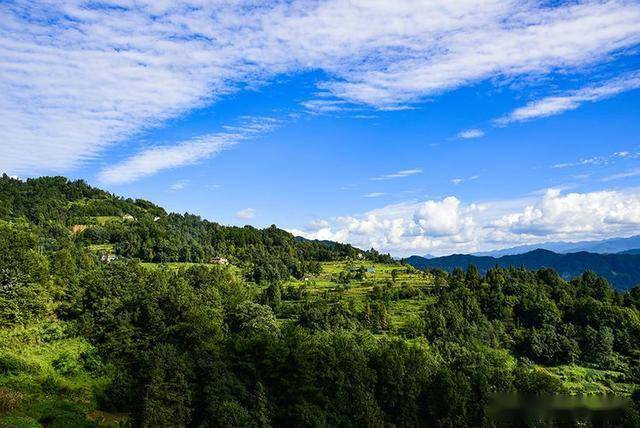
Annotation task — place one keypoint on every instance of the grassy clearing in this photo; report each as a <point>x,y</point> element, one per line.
<point>183,265</point>
<point>102,248</point>
<point>587,381</point>
<point>104,219</point>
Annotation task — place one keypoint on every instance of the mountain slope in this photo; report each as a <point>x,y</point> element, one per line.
<point>622,270</point>
<point>607,246</point>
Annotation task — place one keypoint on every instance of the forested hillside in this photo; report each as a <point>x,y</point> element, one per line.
<point>622,270</point>
<point>287,333</point>
<point>140,230</point>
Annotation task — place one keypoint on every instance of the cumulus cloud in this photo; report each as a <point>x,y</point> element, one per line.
<point>316,225</point>
<point>449,225</point>
<point>79,76</point>
<point>471,133</point>
<point>441,218</point>
<point>554,105</point>
<point>246,214</point>
<point>575,213</point>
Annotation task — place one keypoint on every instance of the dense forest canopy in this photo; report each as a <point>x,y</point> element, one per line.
<point>162,337</point>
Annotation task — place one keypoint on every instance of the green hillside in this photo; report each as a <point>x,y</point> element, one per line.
<point>116,313</point>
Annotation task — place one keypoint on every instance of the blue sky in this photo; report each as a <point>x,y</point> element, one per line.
<point>413,127</point>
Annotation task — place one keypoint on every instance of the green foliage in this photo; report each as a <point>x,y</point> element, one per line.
<point>293,333</point>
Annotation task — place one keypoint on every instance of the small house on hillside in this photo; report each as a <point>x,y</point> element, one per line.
<point>220,261</point>
<point>128,217</point>
<point>108,257</point>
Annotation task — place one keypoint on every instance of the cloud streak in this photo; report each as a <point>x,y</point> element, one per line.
<point>373,195</point>
<point>471,133</point>
<point>400,174</point>
<point>156,159</point>
<point>555,105</point>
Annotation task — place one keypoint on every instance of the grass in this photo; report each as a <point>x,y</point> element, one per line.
<point>47,375</point>
<point>580,380</point>
<point>104,219</point>
<point>102,248</point>
<point>180,265</point>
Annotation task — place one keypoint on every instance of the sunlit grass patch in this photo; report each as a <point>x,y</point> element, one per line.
<point>580,380</point>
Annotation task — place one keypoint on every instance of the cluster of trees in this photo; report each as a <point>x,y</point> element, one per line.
<point>538,315</point>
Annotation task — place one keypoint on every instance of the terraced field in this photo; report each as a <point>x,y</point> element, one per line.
<point>355,281</point>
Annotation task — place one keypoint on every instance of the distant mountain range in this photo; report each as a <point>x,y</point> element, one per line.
<point>607,246</point>
<point>622,270</point>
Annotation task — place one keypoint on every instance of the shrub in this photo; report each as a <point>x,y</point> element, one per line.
<point>10,400</point>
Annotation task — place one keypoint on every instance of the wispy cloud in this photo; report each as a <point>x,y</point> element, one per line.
<point>554,105</point>
<point>178,185</point>
<point>246,214</point>
<point>400,174</point>
<point>319,106</point>
<point>373,195</point>
<point>622,175</point>
<point>471,133</point>
<point>156,159</point>
<point>598,160</point>
<point>459,180</point>
<point>78,77</point>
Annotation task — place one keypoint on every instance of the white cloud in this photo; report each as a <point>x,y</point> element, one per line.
<point>575,213</point>
<point>622,175</point>
<point>373,195</point>
<point>179,185</point>
<point>471,133</point>
<point>316,225</point>
<point>319,106</point>
<point>246,214</point>
<point>458,180</point>
<point>599,160</point>
<point>79,76</point>
<point>156,159</point>
<point>441,218</point>
<point>449,225</point>
<point>554,105</point>
<point>400,174</point>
